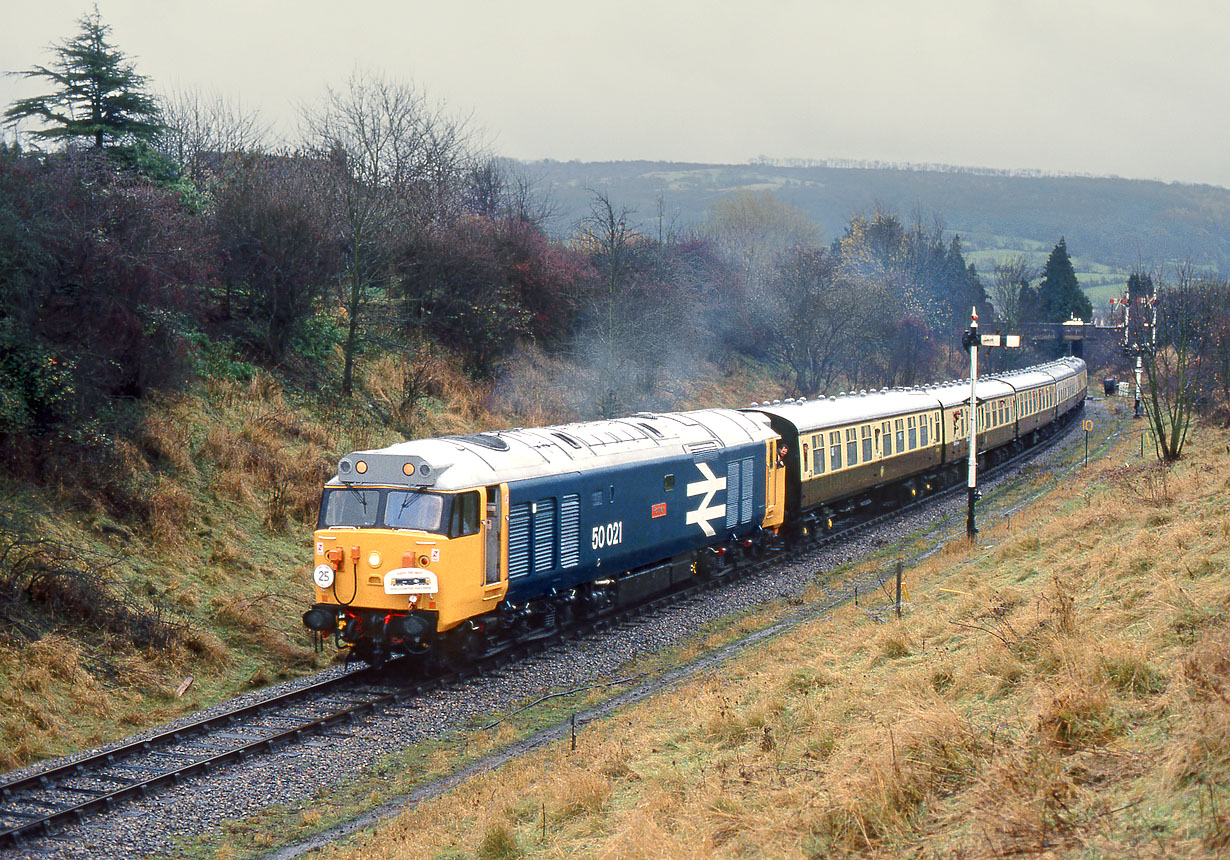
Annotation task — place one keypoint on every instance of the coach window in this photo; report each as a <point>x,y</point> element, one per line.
<point>818,454</point>
<point>887,441</point>
<point>804,456</point>
<point>851,446</point>
<point>835,450</point>
<point>911,423</point>
<point>923,421</point>
<point>899,425</point>
<point>866,443</point>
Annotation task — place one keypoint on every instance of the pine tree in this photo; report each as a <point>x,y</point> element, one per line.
<point>98,93</point>
<point>1060,294</point>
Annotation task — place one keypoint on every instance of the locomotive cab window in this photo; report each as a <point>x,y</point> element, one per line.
<point>418,510</point>
<point>668,483</point>
<point>346,506</point>
<point>464,520</point>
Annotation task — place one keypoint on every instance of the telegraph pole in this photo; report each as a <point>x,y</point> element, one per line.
<point>971,340</point>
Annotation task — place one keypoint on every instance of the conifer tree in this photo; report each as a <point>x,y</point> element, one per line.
<point>1060,294</point>
<point>98,93</point>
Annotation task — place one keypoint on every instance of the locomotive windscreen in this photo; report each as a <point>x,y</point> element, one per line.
<point>420,510</point>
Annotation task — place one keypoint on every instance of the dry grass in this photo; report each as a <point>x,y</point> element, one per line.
<point>200,519</point>
<point>1061,690</point>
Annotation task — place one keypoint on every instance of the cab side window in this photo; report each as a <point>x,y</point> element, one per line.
<point>464,520</point>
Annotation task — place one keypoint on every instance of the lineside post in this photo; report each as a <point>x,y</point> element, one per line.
<point>970,342</point>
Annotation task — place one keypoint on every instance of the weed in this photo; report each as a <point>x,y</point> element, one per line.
<point>498,843</point>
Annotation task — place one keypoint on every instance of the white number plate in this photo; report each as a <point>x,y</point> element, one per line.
<point>611,534</point>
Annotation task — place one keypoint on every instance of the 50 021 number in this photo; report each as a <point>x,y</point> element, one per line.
<point>611,534</point>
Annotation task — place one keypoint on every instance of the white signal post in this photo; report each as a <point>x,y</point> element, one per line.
<point>971,341</point>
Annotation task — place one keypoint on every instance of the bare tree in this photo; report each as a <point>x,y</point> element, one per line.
<point>819,316</point>
<point>200,126</point>
<point>1011,274</point>
<point>1173,365</point>
<point>400,160</point>
<point>500,189</point>
<point>755,228</point>
<point>607,234</point>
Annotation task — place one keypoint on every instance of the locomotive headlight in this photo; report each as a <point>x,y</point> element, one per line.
<point>323,575</point>
<point>374,559</point>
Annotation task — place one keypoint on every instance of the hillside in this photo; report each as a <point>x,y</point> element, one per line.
<point>1111,224</point>
<point>1060,689</point>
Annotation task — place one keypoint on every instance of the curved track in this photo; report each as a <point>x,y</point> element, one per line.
<point>35,806</point>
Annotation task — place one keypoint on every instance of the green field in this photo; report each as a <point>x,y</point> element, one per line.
<point>1101,282</point>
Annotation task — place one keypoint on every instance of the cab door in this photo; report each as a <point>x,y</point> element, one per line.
<point>775,485</point>
<point>495,567</point>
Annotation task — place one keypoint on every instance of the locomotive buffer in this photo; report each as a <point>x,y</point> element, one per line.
<point>971,340</point>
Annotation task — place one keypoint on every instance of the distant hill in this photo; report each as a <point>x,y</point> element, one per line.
<point>1111,224</point>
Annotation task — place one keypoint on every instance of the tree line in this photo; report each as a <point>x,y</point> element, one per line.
<point>156,238</point>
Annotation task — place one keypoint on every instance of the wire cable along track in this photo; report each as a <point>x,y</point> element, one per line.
<point>36,806</point>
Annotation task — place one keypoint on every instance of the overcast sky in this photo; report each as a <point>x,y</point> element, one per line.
<point>1136,88</point>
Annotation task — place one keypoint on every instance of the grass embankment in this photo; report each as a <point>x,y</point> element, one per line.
<point>1061,689</point>
<point>188,557</point>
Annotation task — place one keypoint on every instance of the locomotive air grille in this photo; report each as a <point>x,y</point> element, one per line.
<point>570,531</point>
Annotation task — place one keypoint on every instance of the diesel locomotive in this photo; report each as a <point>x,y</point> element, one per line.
<point>450,547</point>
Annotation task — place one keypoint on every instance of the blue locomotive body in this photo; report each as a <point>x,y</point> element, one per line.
<point>570,529</point>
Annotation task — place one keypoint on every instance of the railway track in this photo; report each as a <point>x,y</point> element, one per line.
<point>36,806</point>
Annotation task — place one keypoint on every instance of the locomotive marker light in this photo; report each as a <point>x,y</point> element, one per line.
<point>971,340</point>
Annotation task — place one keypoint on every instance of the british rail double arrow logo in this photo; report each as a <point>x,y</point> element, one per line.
<point>707,511</point>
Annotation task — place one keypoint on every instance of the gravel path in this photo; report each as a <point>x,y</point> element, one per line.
<point>294,775</point>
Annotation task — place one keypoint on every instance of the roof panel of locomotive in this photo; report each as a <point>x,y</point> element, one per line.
<point>475,460</point>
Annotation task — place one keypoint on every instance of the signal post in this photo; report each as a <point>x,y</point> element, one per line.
<point>971,340</point>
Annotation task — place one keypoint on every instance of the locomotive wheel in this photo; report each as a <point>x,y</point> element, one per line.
<point>462,645</point>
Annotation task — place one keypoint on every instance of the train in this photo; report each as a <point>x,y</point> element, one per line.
<point>449,548</point>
